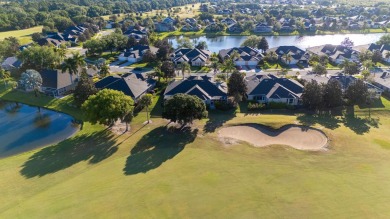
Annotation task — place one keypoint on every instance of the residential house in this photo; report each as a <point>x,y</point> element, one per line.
<point>310,27</point>
<point>135,53</point>
<point>247,56</point>
<point>269,88</point>
<point>384,49</point>
<point>263,28</point>
<point>346,80</point>
<point>191,27</point>
<point>383,82</point>
<point>203,87</point>
<point>109,24</point>
<point>225,11</point>
<point>191,21</point>
<point>131,84</point>
<point>194,57</point>
<point>287,28</point>
<point>136,33</point>
<point>235,28</point>
<point>228,21</point>
<point>57,83</point>
<point>50,42</point>
<point>214,27</point>
<point>336,54</point>
<point>11,63</point>
<point>72,33</point>
<point>291,55</point>
<point>164,27</point>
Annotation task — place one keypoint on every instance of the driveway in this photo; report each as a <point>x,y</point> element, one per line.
<point>125,64</point>
<point>116,63</point>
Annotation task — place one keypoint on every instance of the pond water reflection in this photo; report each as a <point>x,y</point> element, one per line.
<point>23,127</point>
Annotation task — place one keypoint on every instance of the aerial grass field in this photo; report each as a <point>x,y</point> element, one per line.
<point>23,35</point>
<point>151,172</point>
<point>182,13</point>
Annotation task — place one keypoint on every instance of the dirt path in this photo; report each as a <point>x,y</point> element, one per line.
<point>298,137</point>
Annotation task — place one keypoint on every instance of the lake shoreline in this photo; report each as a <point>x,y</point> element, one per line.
<point>38,127</point>
<point>295,33</point>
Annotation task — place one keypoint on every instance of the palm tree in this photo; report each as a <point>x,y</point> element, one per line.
<point>73,64</point>
<point>215,66</point>
<point>79,61</point>
<point>158,73</point>
<point>146,101</point>
<point>214,57</point>
<point>185,67</point>
<point>69,66</point>
<point>228,66</point>
<point>61,53</point>
<point>288,58</point>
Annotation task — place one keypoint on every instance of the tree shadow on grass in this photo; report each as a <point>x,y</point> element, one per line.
<point>328,121</point>
<point>155,148</point>
<point>217,119</point>
<point>360,125</point>
<point>93,148</point>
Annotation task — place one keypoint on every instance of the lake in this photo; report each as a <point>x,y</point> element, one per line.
<point>224,42</point>
<point>24,128</point>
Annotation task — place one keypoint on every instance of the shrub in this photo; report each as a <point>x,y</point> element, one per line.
<point>276,105</point>
<point>300,66</point>
<point>255,106</point>
<point>224,106</point>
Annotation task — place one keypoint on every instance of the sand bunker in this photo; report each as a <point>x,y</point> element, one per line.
<point>298,137</point>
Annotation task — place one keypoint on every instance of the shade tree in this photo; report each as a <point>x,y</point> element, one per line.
<point>107,106</point>
<point>184,109</point>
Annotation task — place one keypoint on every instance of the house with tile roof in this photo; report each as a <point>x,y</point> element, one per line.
<point>57,83</point>
<point>336,53</point>
<point>11,63</point>
<point>346,80</point>
<point>383,82</point>
<point>384,49</point>
<point>135,53</point>
<point>263,28</point>
<point>269,88</point>
<point>194,57</point>
<point>131,84</point>
<point>295,54</point>
<point>247,56</point>
<point>203,87</point>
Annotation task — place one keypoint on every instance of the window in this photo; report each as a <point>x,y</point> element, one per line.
<point>290,101</point>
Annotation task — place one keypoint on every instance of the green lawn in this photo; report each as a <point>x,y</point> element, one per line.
<point>23,35</point>
<point>153,173</point>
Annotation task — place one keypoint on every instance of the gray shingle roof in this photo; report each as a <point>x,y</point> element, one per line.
<point>133,85</point>
<point>273,87</point>
<point>55,79</point>
<point>203,87</point>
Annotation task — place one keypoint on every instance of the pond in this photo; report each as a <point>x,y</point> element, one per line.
<point>224,42</point>
<point>23,127</point>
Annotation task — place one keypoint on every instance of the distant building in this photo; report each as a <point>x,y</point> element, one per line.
<point>263,28</point>
<point>384,49</point>
<point>135,53</point>
<point>247,55</point>
<point>194,57</point>
<point>291,55</point>
<point>336,54</point>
